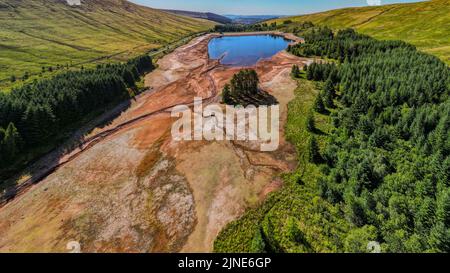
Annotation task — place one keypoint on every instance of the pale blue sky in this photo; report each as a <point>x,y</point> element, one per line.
<point>261,7</point>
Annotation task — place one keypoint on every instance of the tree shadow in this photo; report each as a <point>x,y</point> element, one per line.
<point>261,98</point>
<point>319,132</point>
<point>325,112</point>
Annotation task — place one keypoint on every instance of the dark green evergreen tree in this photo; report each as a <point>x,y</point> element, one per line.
<point>319,107</point>
<point>314,151</point>
<point>329,93</point>
<point>310,124</point>
<point>11,142</point>
<point>226,95</point>
<point>295,72</point>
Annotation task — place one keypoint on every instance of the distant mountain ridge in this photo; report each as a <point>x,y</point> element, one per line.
<point>250,19</point>
<point>201,15</point>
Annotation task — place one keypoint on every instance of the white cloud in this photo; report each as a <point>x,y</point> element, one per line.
<point>373,2</point>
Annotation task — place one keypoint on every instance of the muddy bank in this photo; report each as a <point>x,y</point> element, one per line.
<point>130,188</point>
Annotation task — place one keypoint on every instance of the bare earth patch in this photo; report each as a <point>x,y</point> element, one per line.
<point>130,188</point>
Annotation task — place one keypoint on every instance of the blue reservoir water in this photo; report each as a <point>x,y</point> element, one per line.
<point>245,50</point>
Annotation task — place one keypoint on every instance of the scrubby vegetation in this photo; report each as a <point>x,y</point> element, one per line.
<point>384,169</point>
<point>243,90</point>
<point>264,26</point>
<point>31,115</point>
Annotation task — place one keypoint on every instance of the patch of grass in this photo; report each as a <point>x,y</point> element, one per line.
<point>292,219</point>
<point>424,24</point>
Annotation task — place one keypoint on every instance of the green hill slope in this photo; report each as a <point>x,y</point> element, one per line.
<point>47,33</point>
<point>424,24</point>
<point>203,15</point>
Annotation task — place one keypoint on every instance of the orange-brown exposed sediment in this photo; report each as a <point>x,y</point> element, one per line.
<point>128,187</point>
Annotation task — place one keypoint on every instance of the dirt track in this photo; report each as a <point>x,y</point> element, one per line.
<point>129,187</point>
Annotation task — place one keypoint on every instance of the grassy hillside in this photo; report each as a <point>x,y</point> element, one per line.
<point>46,33</point>
<point>424,24</point>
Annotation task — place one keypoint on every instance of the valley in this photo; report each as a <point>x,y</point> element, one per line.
<point>89,154</point>
<point>129,187</point>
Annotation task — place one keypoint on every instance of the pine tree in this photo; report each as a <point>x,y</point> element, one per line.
<point>2,148</point>
<point>328,93</point>
<point>295,72</point>
<point>314,151</point>
<point>226,95</point>
<point>310,72</point>
<point>11,142</point>
<point>318,104</point>
<point>310,124</point>
<point>443,208</point>
<point>257,244</point>
<point>439,238</point>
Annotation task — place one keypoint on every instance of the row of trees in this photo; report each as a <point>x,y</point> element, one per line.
<point>325,99</point>
<point>322,72</point>
<point>26,75</point>
<point>35,112</point>
<point>244,83</point>
<point>387,164</point>
<point>246,28</point>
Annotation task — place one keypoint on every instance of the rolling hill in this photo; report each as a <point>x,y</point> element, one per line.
<point>250,19</point>
<point>424,24</point>
<point>201,15</point>
<point>36,34</point>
